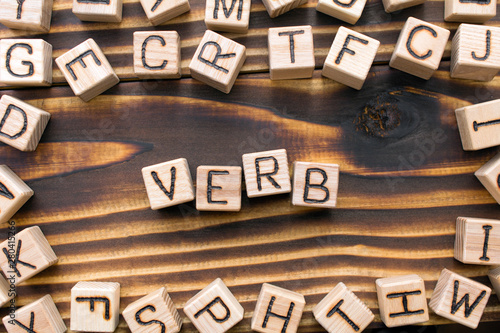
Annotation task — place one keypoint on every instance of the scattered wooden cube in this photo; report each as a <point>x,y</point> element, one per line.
<point>278,7</point>
<point>169,183</point>
<point>214,309</point>
<point>277,310</point>
<point>161,11</point>
<point>395,5</point>
<point>7,291</point>
<point>39,316</point>
<point>348,11</point>
<point>218,188</point>
<point>402,300</point>
<point>459,299</point>
<point>13,193</point>
<point>25,255</point>
<point>477,241</point>
<point>478,125</point>
<point>291,52</point>
<point>217,61</point>
<point>494,276</point>
<point>228,15</point>
<point>98,10</point>
<point>350,58</point>
<point>419,48</point>
<point>489,176</point>
<point>87,70</point>
<point>95,306</point>
<point>157,54</point>
<point>342,312</point>
<point>470,11</point>
<point>21,124</point>
<point>32,15</point>
<point>266,173</point>
<point>315,184</point>
<point>155,311</point>
<point>471,56</point>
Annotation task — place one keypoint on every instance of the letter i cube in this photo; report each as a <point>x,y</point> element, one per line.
<point>13,193</point>
<point>477,241</point>
<point>26,15</point>
<point>315,184</point>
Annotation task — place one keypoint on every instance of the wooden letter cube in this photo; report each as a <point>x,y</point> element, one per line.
<point>459,299</point>
<point>217,61</point>
<point>228,15</point>
<point>153,313</point>
<point>277,310</point>
<point>477,241</point>
<point>489,176</point>
<point>7,291</point>
<point>26,15</point>
<point>169,183</point>
<point>291,52</point>
<point>218,188</point>
<point>98,10</point>
<point>348,11</point>
<point>40,316</point>
<point>419,48</point>
<point>277,7</point>
<point>21,124</point>
<point>395,5</point>
<point>494,276</point>
<point>160,11</point>
<point>214,309</point>
<point>95,306</point>
<point>470,11</point>
<point>25,62</point>
<point>342,312</point>
<point>26,254</point>
<point>402,300</point>
<point>157,54</point>
<point>315,184</point>
<point>266,173</point>
<point>475,52</point>
<point>350,58</point>
<point>13,193</point>
<point>478,125</point>
<point>87,70</point>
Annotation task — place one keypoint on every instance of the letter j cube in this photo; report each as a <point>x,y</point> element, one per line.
<point>315,184</point>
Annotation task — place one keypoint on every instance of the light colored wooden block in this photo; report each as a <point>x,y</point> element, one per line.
<point>494,276</point>
<point>25,62</point>
<point>342,312</point>
<point>470,11</point>
<point>402,300</point>
<point>214,309</point>
<point>291,52</point>
<point>13,193</point>
<point>21,124</point>
<point>489,176</point>
<point>459,299</point>
<point>315,184</point>
<point>87,70</point>
<point>169,183</point>
<point>349,11</point>
<point>228,15</point>
<point>277,310</point>
<point>218,188</point>
<point>32,15</point>
<point>161,11</point>
<point>40,316</point>
<point>278,7</point>
<point>217,61</point>
<point>7,291</point>
<point>266,173</point>
<point>419,48</point>
<point>395,5</point>
<point>477,241</point>
<point>157,54</point>
<point>95,306</point>
<point>474,52</point>
<point>98,10</point>
<point>25,255</point>
<point>478,125</point>
<point>350,58</point>
<point>154,312</point>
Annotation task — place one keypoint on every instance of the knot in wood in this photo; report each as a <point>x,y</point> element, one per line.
<point>379,117</point>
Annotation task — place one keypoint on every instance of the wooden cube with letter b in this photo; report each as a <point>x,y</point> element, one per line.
<point>13,193</point>
<point>470,11</point>
<point>315,184</point>
<point>98,10</point>
<point>228,15</point>
<point>87,70</point>
<point>217,61</point>
<point>218,188</point>
<point>214,309</point>
<point>26,15</point>
<point>477,241</point>
<point>349,11</point>
<point>278,7</point>
<point>160,11</point>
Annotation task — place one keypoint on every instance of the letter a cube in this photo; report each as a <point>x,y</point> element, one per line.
<point>315,184</point>
<point>13,193</point>
<point>477,241</point>
<point>98,10</point>
<point>470,11</point>
<point>161,11</point>
<point>228,15</point>
<point>214,309</point>
<point>32,15</point>
<point>217,61</point>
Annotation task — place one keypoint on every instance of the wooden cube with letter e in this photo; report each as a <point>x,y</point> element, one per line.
<point>98,10</point>
<point>161,11</point>
<point>157,54</point>
<point>26,15</point>
<point>278,7</point>
<point>349,11</point>
<point>228,15</point>
<point>477,241</point>
<point>315,184</point>
<point>218,188</point>
<point>470,11</point>
<point>13,193</point>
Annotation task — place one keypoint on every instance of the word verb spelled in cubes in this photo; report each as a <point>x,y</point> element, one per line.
<point>98,10</point>
<point>13,193</point>
<point>315,184</point>
<point>161,11</point>
<point>218,188</point>
<point>228,15</point>
<point>157,54</point>
<point>477,241</point>
<point>470,11</point>
<point>31,15</point>
<point>348,11</point>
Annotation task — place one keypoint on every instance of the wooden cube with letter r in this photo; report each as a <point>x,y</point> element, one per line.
<point>315,184</point>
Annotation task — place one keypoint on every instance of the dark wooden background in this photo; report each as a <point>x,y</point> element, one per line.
<point>401,188</point>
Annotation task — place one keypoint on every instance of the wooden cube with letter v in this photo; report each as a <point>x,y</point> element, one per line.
<point>160,11</point>
<point>13,193</point>
<point>98,10</point>
<point>214,309</point>
<point>315,184</point>
<point>217,61</point>
<point>228,15</point>
<point>26,15</point>
<point>218,188</point>
<point>470,11</point>
<point>95,306</point>
<point>87,70</point>
<point>477,241</point>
